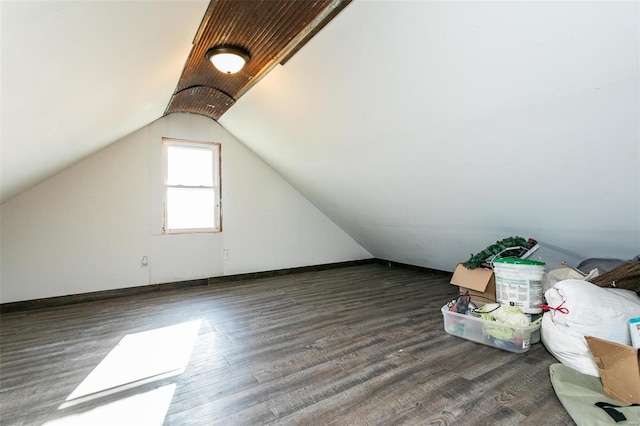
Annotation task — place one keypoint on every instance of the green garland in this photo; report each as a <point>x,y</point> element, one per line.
<point>478,259</point>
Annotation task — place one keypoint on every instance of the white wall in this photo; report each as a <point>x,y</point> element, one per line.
<point>87,44</point>
<point>87,228</point>
<point>428,130</point>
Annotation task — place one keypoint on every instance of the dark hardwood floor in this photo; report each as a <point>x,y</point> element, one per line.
<point>360,345</point>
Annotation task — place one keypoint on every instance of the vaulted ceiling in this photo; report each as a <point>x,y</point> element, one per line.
<point>116,61</point>
<point>425,129</point>
<point>270,31</point>
<point>428,130</point>
<point>78,75</point>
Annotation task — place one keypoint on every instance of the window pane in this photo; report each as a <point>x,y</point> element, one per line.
<point>189,208</point>
<point>190,166</point>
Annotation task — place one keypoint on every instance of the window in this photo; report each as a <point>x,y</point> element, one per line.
<point>191,176</point>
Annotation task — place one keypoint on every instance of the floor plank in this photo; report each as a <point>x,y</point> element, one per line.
<point>358,345</point>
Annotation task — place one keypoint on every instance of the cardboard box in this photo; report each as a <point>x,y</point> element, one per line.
<point>480,282</point>
<point>619,369</point>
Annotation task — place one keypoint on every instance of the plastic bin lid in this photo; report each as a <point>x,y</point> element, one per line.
<point>518,261</point>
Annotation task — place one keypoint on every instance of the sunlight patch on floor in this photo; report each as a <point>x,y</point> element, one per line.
<point>142,356</point>
<point>109,391</point>
<point>143,409</point>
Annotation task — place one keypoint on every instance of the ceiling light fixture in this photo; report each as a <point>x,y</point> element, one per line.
<point>228,59</point>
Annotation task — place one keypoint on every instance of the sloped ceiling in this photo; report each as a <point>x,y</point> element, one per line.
<point>429,130</point>
<point>79,75</point>
<point>271,32</point>
<point>106,67</point>
<point>426,130</point>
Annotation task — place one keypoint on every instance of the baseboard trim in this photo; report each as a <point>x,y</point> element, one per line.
<point>50,302</point>
<point>288,271</point>
<point>391,264</point>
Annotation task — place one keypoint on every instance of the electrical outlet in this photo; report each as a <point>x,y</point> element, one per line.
<point>226,254</point>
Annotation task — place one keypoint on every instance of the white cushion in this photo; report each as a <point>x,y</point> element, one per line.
<point>592,310</point>
<point>570,350</point>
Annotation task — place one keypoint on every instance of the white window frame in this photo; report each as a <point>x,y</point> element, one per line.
<point>215,149</point>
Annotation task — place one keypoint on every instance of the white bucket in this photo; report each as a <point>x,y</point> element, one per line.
<point>519,283</point>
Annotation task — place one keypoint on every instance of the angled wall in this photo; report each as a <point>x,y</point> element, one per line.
<point>430,130</point>
<point>87,228</point>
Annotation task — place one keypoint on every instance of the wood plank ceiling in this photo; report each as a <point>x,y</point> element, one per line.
<point>272,31</point>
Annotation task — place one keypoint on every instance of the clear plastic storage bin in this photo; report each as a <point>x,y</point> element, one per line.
<point>491,333</point>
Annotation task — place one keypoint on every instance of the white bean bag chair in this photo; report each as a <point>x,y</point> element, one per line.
<point>570,350</point>
<point>587,310</point>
